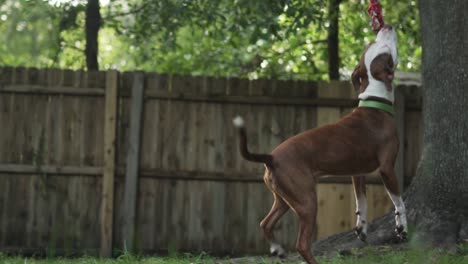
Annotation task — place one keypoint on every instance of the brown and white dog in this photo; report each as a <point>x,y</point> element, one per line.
<point>362,142</point>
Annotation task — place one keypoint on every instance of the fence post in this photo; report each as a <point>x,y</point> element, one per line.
<point>107,197</point>
<point>400,120</point>
<point>133,160</point>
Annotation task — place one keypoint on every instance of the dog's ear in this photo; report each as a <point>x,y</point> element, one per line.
<point>359,78</point>
<point>382,69</point>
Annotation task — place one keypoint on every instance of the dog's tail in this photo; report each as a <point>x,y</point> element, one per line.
<point>238,122</point>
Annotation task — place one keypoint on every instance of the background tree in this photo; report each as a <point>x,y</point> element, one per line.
<point>285,39</point>
<point>92,26</point>
<point>288,38</point>
<point>28,33</point>
<point>333,47</point>
<point>439,192</point>
<point>436,199</point>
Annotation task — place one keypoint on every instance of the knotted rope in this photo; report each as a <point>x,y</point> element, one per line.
<point>375,12</point>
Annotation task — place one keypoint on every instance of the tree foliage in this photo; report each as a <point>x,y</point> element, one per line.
<point>28,33</point>
<point>284,39</point>
<point>436,204</point>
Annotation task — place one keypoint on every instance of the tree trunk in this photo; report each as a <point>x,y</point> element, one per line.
<point>333,49</point>
<point>439,192</point>
<point>436,200</point>
<point>93,23</point>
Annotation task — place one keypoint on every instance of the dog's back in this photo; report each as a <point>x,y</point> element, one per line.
<point>346,147</point>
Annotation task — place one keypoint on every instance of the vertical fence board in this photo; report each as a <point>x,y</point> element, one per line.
<point>107,206</point>
<point>3,120</point>
<point>181,130</point>
<point>151,129</point>
<point>333,208</point>
<point>133,157</point>
<point>193,135</point>
<point>146,232</point>
<point>55,135</point>
<point>400,121</point>
<point>378,201</point>
<point>235,212</point>
<point>89,132</point>
<point>413,143</point>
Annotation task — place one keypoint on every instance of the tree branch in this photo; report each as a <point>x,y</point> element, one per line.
<point>72,47</point>
<point>134,11</point>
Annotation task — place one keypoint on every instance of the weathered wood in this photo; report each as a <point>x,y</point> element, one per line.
<point>96,171</point>
<point>133,158</point>
<point>328,98</point>
<point>400,120</point>
<point>53,90</point>
<point>327,115</point>
<point>50,169</point>
<point>107,198</point>
<point>377,200</point>
<point>334,208</point>
<point>256,100</point>
<point>413,143</point>
<point>42,211</point>
<point>195,190</point>
<point>336,89</point>
<point>231,176</point>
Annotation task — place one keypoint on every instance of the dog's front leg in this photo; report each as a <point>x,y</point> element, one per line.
<point>400,215</point>
<point>359,184</point>
<point>391,185</point>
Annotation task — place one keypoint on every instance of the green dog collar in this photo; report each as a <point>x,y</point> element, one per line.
<point>374,104</point>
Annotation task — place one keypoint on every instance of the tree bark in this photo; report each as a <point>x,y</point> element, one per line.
<point>439,192</point>
<point>333,43</point>
<point>436,200</point>
<point>92,25</point>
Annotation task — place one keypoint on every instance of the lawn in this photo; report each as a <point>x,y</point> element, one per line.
<point>363,256</point>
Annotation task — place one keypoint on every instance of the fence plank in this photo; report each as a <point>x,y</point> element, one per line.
<point>413,143</point>
<point>107,202</point>
<point>50,169</point>
<point>251,100</point>
<point>333,208</point>
<point>400,119</point>
<point>133,158</point>
<point>56,90</point>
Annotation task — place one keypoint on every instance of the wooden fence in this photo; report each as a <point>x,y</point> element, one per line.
<point>79,173</point>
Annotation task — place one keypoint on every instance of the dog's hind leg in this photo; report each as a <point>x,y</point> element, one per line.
<point>359,183</point>
<point>307,213</point>
<point>268,223</point>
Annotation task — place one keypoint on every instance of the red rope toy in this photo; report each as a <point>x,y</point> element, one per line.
<point>375,12</point>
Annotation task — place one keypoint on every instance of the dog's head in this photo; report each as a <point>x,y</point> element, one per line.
<point>388,35</point>
<point>379,60</point>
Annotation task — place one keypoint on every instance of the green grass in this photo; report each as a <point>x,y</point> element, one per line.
<point>123,259</point>
<point>363,256</point>
<point>414,256</point>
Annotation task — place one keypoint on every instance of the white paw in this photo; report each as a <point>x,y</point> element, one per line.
<point>277,250</point>
<point>361,228</point>
<point>238,121</point>
<point>361,232</point>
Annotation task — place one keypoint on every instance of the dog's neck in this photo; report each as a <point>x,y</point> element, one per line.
<point>378,103</point>
<point>377,88</point>
<point>378,99</point>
